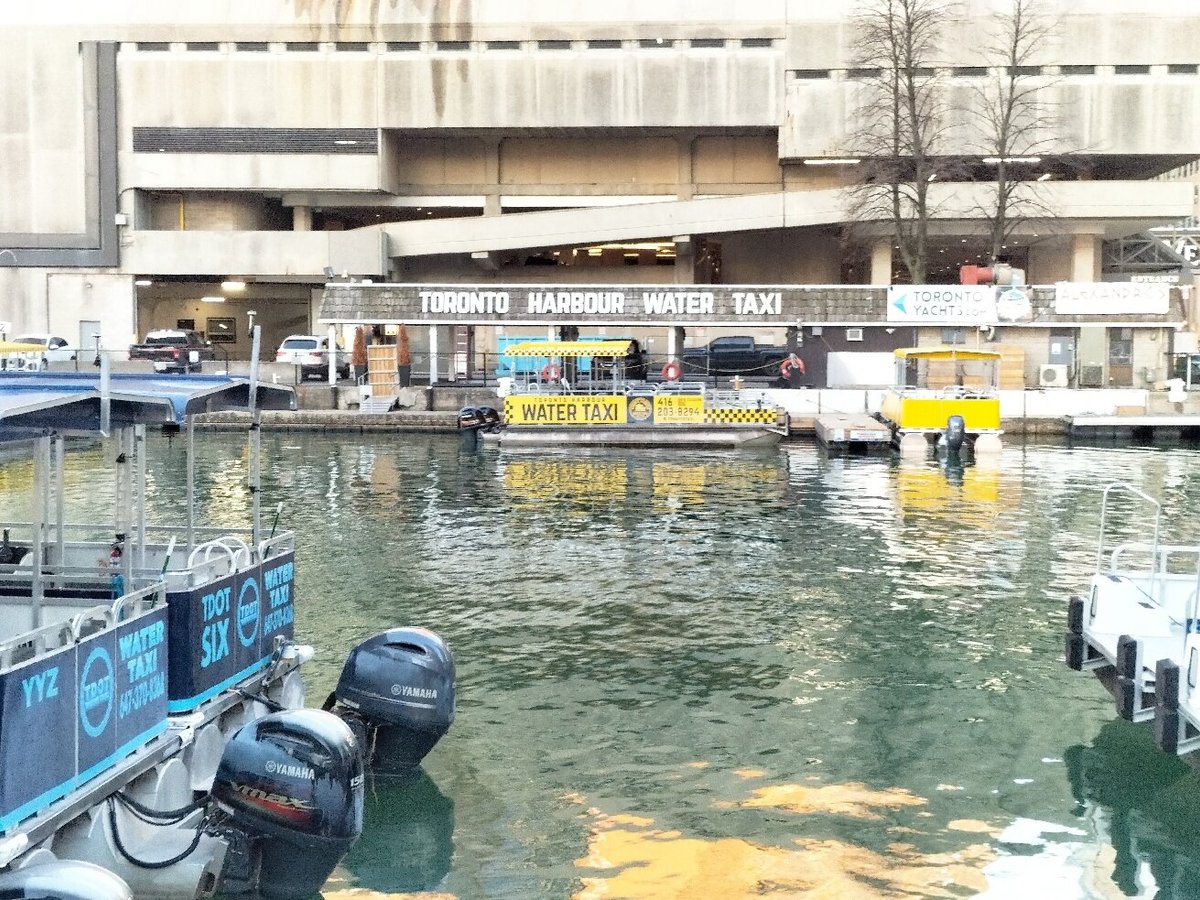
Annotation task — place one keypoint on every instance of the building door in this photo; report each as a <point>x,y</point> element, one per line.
<point>1120,357</point>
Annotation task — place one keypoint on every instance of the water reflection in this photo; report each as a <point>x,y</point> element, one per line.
<point>408,837</point>
<point>1146,805</point>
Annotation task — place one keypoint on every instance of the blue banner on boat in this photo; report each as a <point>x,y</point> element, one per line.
<point>225,631</point>
<point>37,740</point>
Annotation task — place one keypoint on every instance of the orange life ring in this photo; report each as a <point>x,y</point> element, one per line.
<point>792,362</point>
<point>551,372</point>
<point>672,370</point>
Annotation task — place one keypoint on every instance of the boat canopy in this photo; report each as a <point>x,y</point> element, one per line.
<point>14,347</point>
<point>33,403</point>
<point>947,352</point>
<point>568,348</point>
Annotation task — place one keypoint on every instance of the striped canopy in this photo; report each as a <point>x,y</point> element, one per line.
<point>568,348</point>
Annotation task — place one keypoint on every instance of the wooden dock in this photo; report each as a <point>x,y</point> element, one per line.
<point>852,432</point>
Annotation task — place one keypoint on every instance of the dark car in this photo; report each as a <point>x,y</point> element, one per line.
<point>632,366</point>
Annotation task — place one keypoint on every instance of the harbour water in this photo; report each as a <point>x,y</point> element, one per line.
<point>724,675</point>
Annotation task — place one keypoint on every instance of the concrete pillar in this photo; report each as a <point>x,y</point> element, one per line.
<point>1085,257</point>
<point>491,176</point>
<point>685,259</point>
<point>881,262</point>
<point>686,188</point>
<point>433,354</point>
<point>301,218</point>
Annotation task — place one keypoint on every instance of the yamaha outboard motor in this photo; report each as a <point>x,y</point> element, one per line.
<point>291,784</point>
<point>470,420</point>
<point>397,691</point>
<point>491,419</point>
<point>954,435</point>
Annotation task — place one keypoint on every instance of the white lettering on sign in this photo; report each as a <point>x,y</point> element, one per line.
<point>1105,298</point>
<point>757,303</point>
<point>464,302</point>
<point>677,303</point>
<point>559,303</point>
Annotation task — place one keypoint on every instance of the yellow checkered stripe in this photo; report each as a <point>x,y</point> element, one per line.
<point>757,416</point>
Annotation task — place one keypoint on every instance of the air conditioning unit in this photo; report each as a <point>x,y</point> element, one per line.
<point>1091,376</point>
<point>1052,375</point>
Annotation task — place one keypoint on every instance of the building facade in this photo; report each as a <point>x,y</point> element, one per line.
<point>186,164</point>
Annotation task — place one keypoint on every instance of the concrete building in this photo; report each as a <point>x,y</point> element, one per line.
<point>174,163</point>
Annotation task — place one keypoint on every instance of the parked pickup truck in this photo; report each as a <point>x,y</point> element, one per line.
<point>734,355</point>
<point>174,350</point>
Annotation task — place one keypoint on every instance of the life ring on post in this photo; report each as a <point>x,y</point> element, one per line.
<point>551,372</point>
<point>792,364</point>
<point>672,370</point>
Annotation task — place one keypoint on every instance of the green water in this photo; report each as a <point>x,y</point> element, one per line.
<point>727,675</point>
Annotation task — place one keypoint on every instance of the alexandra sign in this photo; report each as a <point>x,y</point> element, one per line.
<point>1106,298</point>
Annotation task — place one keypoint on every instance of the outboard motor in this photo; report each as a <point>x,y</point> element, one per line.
<point>63,879</point>
<point>291,785</point>
<point>954,435</point>
<point>470,420</point>
<point>11,554</point>
<point>397,692</point>
<point>491,419</point>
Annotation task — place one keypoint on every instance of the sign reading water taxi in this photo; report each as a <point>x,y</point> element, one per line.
<point>566,409</point>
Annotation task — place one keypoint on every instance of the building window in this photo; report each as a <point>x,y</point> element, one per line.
<point>969,71</point>
<point>403,46</point>
<point>810,73</point>
<point>554,45</point>
<point>303,46</point>
<point>604,45</point>
<point>1025,70</point>
<point>351,46</point>
<point>654,44</point>
<point>204,46</point>
<point>707,43</point>
<point>954,336</point>
<point>453,46</point>
<point>1181,69</point>
<point>1078,70</point>
<point>251,46</point>
<point>758,43</point>
<point>1131,70</point>
<point>153,46</point>
<point>864,73</point>
<point>503,45</point>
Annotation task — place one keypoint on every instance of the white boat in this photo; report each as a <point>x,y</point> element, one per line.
<point>153,740</point>
<point>559,401</point>
<point>1135,627</point>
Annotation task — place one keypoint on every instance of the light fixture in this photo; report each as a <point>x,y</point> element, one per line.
<point>832,161</point>
<point>143,282</point>
<point>212,299</point>
<point>996,160</point>
<point>1045,176</point>
<point>233,285</point>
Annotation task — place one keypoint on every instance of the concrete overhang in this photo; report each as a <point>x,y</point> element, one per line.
<point>1110,208</point>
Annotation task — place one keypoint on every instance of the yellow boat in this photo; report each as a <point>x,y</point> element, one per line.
<point>565,402</point>
<point>936,385</point>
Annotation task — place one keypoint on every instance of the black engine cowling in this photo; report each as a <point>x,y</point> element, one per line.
<point>292,781</point>
<point>399,684</point>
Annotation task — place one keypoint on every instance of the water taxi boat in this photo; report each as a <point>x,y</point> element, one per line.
<point>1135,628</point>
<point>944,397</point>
<point>153,740</point>
<point>558,398</point>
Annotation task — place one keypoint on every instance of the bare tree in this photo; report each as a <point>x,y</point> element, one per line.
<point>1013,124</point>
<point>900,120</point>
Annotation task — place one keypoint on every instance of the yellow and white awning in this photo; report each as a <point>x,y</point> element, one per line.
<point>568,348</point>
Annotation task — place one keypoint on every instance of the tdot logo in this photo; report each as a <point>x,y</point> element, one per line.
<point>248,612</point>
<point>96,692</point>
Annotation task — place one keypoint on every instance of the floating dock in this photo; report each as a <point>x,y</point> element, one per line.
<point>1165,428</point>
<point>852,432</point>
